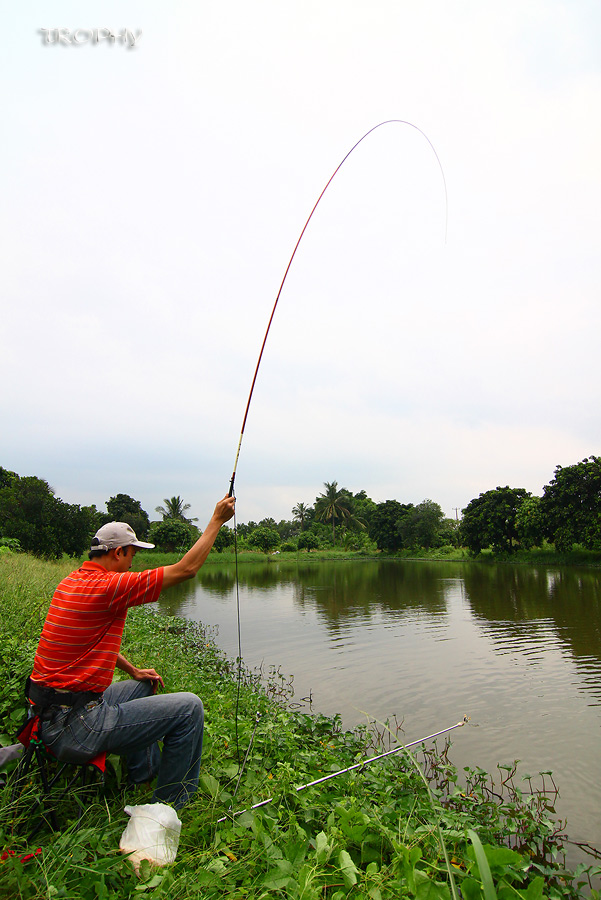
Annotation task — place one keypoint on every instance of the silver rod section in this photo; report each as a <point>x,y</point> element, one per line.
<point>371,759</point>
<point>359,765</point>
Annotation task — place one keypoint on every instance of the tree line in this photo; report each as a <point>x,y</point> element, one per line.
<point>33,519</point>
<point>504,519</point>
<point>569,512</point>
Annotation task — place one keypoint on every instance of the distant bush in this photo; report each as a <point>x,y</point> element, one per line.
<point>173,535</point>
<point>308,541</point>
<point>225,538</point>
<point>7,544</point>
<point>263,538</point>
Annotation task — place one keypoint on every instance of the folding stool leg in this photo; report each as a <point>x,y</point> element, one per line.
<point>33,754</point>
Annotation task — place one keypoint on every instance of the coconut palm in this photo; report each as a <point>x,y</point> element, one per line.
<point>332,504</point>
<point>300,513</point>
<point>174,508</point>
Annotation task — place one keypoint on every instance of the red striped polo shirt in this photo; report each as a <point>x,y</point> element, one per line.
<point>82,633</point>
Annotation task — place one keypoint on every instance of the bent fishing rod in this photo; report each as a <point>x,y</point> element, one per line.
<point>360,765</point>
<point>296,246</point>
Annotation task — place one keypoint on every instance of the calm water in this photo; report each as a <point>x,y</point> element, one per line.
<point>518,649</point>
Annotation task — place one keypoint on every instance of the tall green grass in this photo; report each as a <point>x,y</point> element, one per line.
<point>27,585</point>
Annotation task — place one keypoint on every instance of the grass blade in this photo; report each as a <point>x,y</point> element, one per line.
<point>485,873</point>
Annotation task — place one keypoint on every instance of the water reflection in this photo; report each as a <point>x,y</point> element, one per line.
<point>510,603</point>
<point>530,610</point>
<point>338,586</point>
<point>519,608</point>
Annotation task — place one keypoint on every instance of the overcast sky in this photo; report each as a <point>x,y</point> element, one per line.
<point>152,197</point>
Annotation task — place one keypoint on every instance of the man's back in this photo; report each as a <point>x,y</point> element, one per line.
<point>82,634</point>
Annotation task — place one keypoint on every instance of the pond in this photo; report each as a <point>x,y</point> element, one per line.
<point>515,648</point>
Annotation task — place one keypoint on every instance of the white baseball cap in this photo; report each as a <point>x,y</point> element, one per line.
<point>117,534</point>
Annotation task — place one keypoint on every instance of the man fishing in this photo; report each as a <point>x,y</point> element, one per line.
<point>83,714</point>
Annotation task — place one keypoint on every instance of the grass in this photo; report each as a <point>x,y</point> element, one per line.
<point>384,831</point>
<point>150,558</point>
<point>547,555</point>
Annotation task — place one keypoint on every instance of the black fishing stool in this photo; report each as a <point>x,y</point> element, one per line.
<point>58,780</point>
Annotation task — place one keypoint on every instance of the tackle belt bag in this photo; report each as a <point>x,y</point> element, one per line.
<point>43,698</point>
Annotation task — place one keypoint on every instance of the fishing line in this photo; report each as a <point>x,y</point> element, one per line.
<point>239,639</point>
<point>360,765</point>
<point>243,766</point>
<point>256,372</point>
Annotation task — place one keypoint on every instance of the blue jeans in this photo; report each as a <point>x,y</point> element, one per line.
<point>129,720</point>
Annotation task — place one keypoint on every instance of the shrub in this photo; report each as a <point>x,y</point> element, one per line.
<point>172,535</point>
<point>308,541</point>
<point>263,538</point>
<point>7,544</point>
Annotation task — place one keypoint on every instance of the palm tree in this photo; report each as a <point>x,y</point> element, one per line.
<point>300,513</point>
<point>174,508</point>
<point>332,504</point>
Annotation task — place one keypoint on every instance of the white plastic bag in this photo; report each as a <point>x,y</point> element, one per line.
<point>152,833</point>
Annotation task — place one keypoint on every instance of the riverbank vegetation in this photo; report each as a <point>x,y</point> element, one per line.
<point>407,826</point>
<point>562,525</point>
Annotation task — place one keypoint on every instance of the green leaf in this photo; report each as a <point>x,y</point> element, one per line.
<point>370,852</point>
<point>145,870</point>
<point>322,848</point>
<point>427,889</point>
<point>210,784</point>
<point>247,819</point>
<point>534,891</point>
<point>217,866</point>
<point>296,848</point>
<point>499,857</point>
<point>415,854</point>
<point>100,889</point>
<point>348,868</point>
<point>276,882</point>
<point>471,889</point>
<point>150,885</point>
<point>206,878</point>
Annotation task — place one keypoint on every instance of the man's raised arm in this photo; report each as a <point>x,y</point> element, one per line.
<point>191,562</point>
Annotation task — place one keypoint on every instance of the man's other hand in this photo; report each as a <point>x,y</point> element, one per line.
<point>148,675</point>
